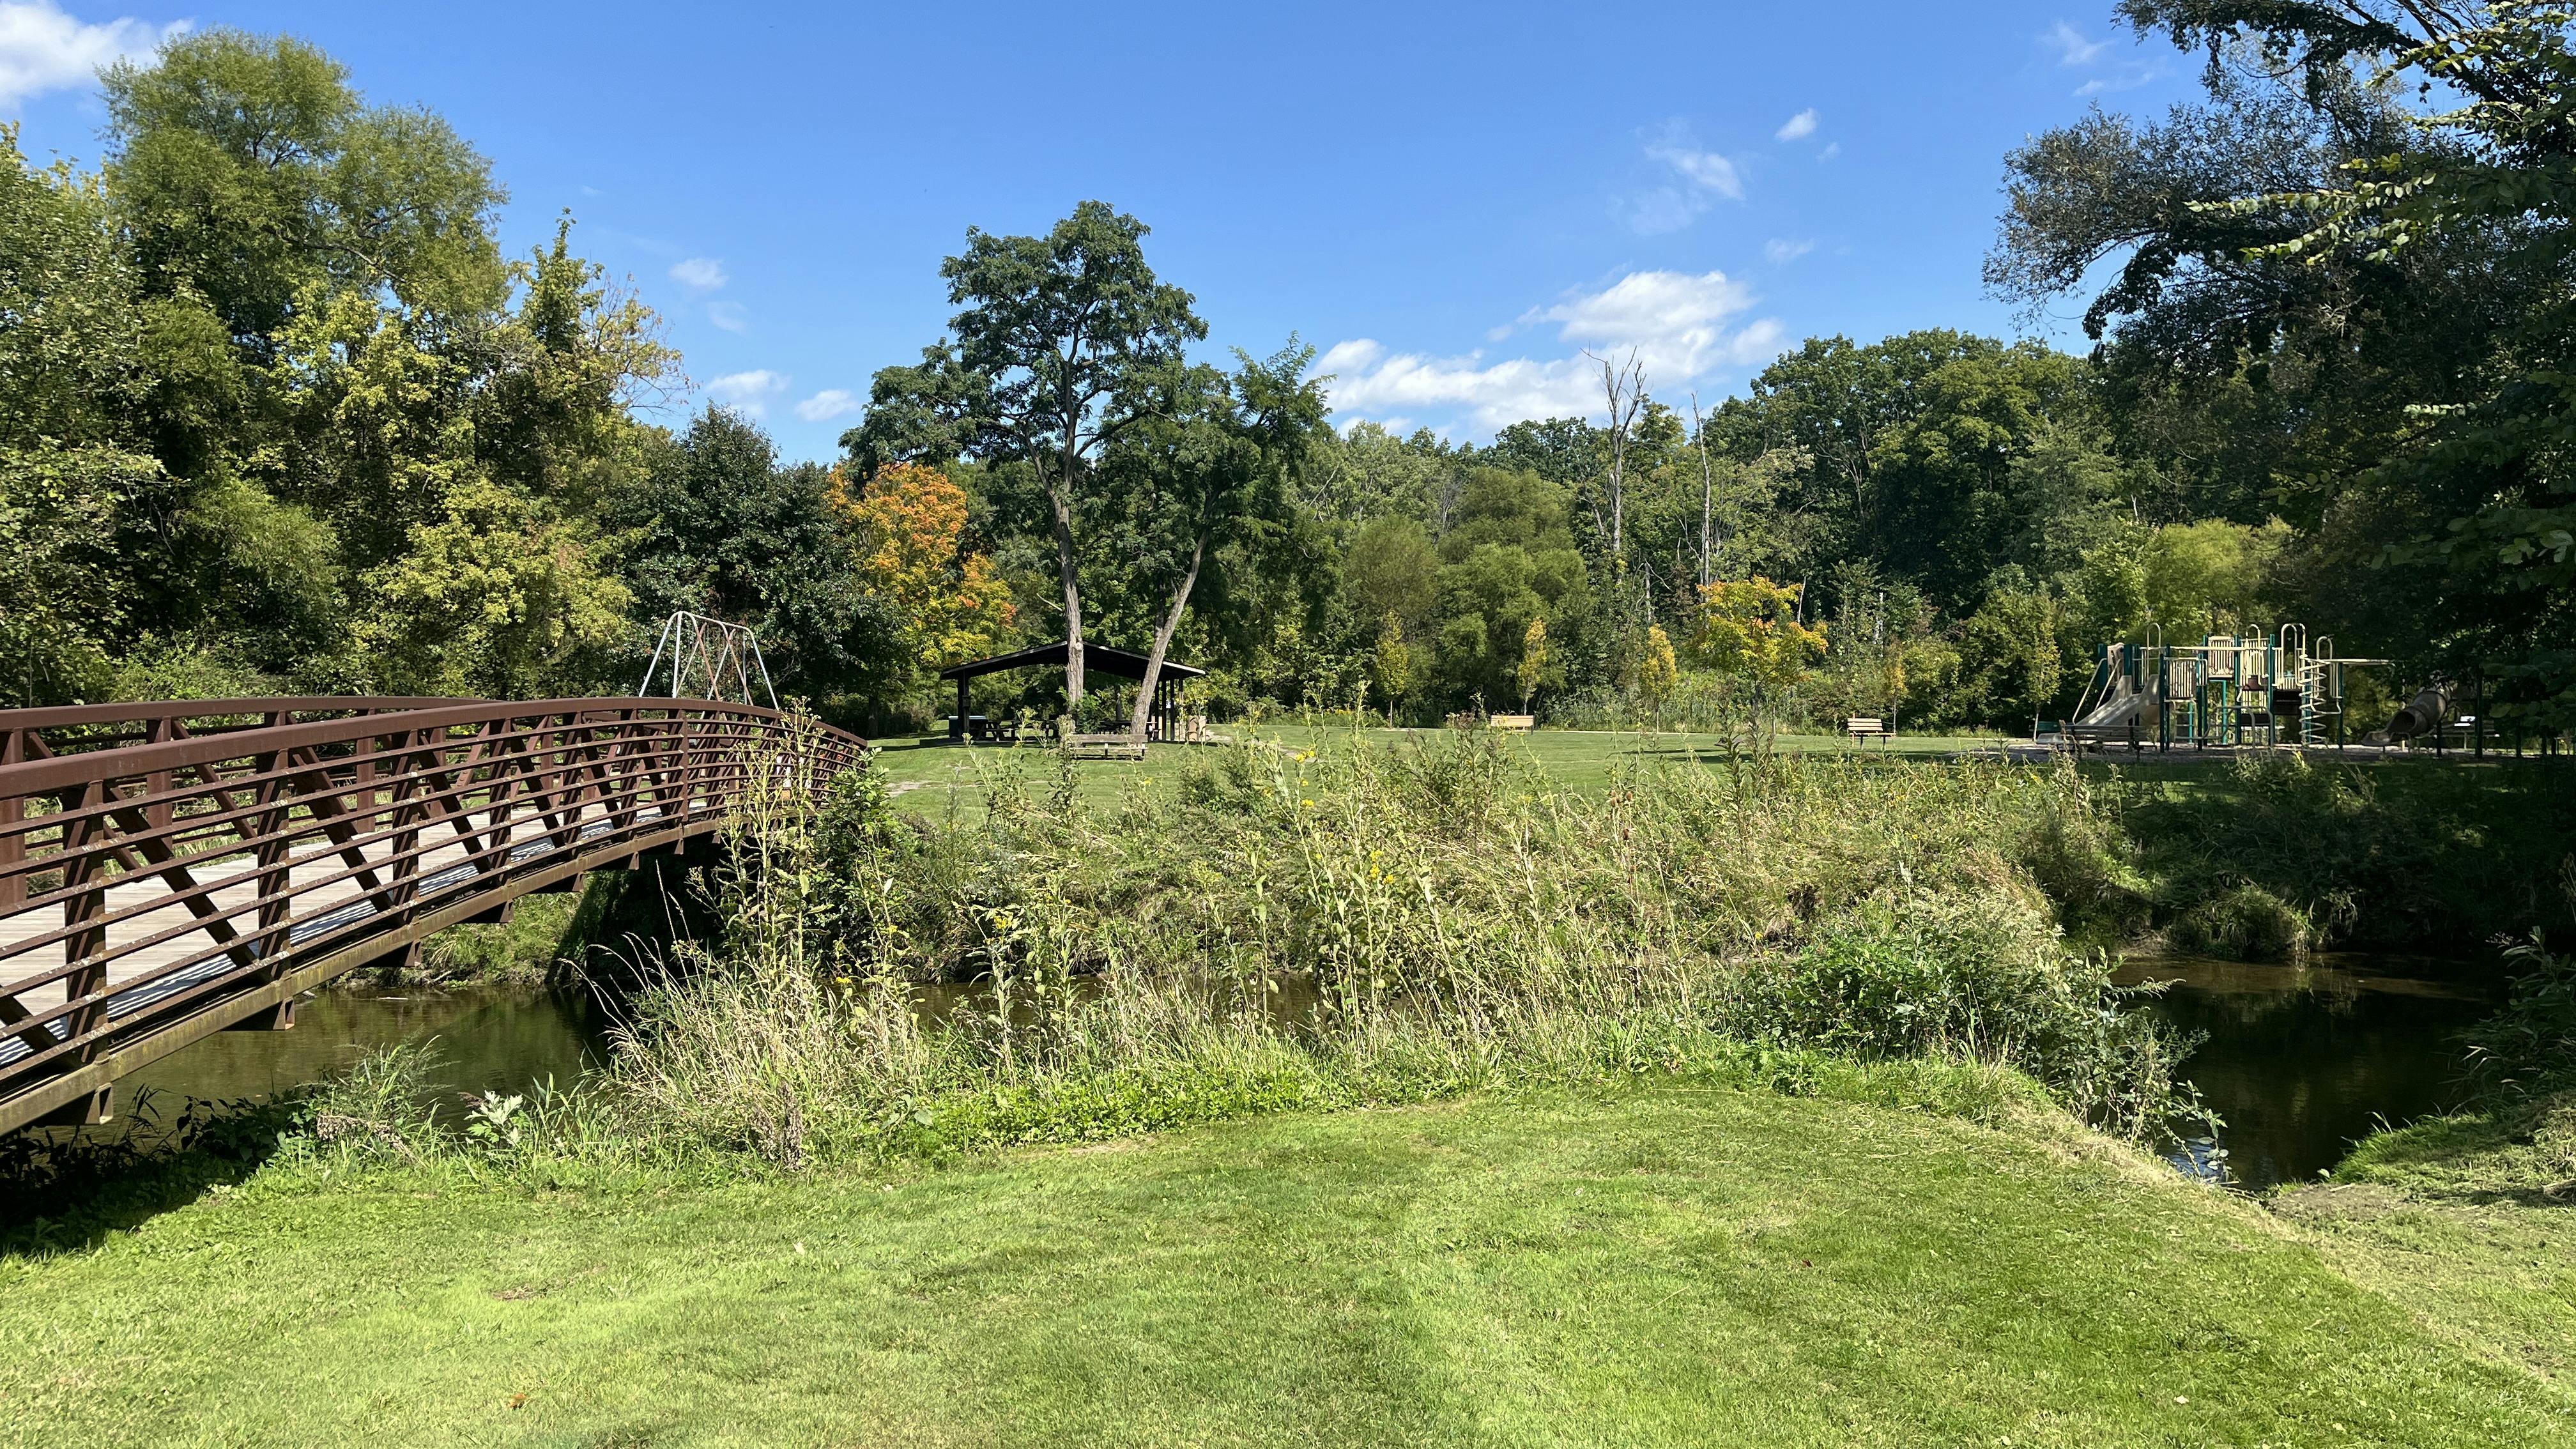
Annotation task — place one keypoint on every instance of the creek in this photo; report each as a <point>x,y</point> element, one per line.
<point>488,1038</point>
<point>2300,1062</point>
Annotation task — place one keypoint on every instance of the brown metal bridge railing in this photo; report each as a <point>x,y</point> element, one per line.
<point>42,734</point>
<point>172,870</point>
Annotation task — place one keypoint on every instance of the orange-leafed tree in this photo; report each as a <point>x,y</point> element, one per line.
<point>910,524</point>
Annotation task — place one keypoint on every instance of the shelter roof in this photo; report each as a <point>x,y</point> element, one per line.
<point>1096,659</point>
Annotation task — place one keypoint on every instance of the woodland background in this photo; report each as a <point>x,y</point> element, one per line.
<point>278,415</point>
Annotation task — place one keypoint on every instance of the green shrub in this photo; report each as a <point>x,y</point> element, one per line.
<point>2529,1047</point>
<point>2244,923</point>
<point>529,947</point>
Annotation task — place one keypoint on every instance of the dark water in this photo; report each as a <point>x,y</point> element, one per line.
<point>2304,1061</point>
<point>490,1039</point>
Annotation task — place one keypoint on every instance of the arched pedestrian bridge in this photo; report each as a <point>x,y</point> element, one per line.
<point>172,870</point>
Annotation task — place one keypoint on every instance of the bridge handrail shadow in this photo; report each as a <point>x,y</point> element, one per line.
<point>153,893</point>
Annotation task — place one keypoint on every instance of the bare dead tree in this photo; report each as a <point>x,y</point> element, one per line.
<point>1623,386</point>
<point>1707,495</point>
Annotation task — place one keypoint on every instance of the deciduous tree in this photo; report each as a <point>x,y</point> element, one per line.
<point>1749,628</point>
<point>1061,344</point>
<point>1533,665</point>
<point>1657,671</point>
<point>1393,662</point>
<point>909,530</point>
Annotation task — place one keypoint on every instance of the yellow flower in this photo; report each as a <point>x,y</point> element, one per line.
<point>1308,804</point>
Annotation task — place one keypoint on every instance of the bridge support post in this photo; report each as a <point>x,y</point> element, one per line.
<point>280,1017</point>
<point>497,916</point>
<point>87,1110</point>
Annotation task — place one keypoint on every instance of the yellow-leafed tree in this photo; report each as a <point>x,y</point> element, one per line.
<point>1533,668</point>
<point>1749,628</point>
<point>911,529</point>
<point>1657,672</point>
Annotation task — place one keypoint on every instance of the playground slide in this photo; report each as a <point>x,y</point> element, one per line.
<point>2113,715</point>
<point>2421,713</point>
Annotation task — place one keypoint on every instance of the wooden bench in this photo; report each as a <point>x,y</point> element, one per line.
<point>1519,724</point>
<point>1105,747</point>
<point>1867,727</point>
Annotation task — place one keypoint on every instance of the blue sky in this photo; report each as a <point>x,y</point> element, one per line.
<point>1453,202</point>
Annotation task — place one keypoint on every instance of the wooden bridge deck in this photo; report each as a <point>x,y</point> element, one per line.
<point>157,885</point>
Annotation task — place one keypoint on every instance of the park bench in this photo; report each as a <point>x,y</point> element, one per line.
<point>1865,728</point>
<point>1105,747</point>
<point>1519,724</point>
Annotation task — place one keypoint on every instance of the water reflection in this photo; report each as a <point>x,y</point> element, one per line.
<point>490,1039</point>
<point>2303,1061</point>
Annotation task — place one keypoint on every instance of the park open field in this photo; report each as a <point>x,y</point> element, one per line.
<point>1671,1267</point>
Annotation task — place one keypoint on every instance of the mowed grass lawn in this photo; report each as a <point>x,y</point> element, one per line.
<point>939,778</point>
<point>1675,1267</point>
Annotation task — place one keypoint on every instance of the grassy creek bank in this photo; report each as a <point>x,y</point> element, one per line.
<point>2267,857</point>
<point>2273,857</point>
<point>1724,1265</point>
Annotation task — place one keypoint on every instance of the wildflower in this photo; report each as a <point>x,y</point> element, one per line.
<point>1306,804</point>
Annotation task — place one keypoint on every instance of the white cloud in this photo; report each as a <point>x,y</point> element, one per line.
<point>1705,170</point>
<point>1700,175</point>
<point>42,49</point>
<point>2129,79</point>
<point>702,273</point>
<point>1832,150</point>
<point>1664,209</point>
<point>2076,51</point>
<point>748,393</point>
<point>1780,251</point>
<point>729,315</point>
<point>830,403</point>
<point>2072,47</point>
<point>1673,321</point>
<point>1797,127</point>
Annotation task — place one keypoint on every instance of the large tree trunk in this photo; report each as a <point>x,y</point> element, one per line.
<point>1163,642</point>
<point>1068,566</point>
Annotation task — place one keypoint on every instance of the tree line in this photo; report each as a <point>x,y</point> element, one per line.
<point>278,415</point>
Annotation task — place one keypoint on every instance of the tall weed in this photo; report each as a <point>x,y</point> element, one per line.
<point>1359,923</point>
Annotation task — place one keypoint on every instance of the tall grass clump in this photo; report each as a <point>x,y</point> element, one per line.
<point>1361,923</point>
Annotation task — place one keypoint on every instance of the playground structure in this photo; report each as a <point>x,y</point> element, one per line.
<point>2227,692</point>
